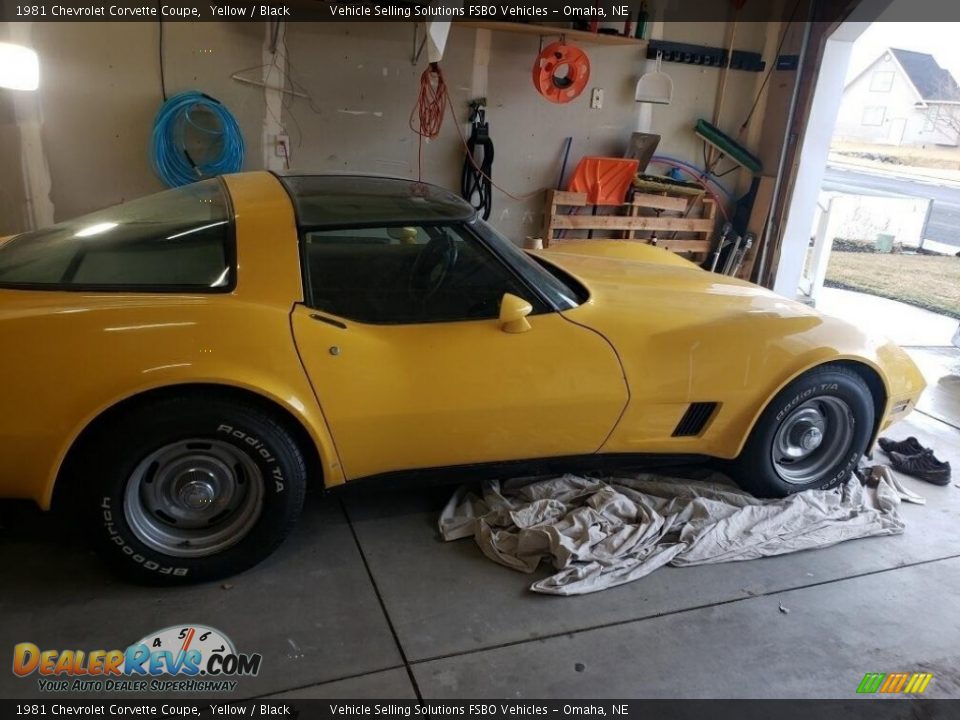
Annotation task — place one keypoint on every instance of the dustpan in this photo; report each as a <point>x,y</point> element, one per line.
<point>655,87</point>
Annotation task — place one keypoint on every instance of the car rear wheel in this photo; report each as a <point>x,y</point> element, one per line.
<point>191,489</point>
<point>810,436</point>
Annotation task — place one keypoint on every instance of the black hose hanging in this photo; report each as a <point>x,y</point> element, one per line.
<point>476,185</point>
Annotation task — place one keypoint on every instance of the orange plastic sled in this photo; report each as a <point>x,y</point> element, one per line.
<point>604,180</point>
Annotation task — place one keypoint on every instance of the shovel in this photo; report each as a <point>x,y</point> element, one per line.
<point>655,87</point>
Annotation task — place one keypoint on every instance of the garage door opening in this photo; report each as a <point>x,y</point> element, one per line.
<point>879,242</point>
<point>888,208</point>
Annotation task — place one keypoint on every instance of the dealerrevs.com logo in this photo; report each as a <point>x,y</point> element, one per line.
<point>181,658</point>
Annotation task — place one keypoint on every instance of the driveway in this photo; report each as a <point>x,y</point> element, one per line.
<point>904,324</point>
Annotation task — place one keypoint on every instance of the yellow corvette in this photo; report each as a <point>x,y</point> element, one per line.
<point>177,367</point>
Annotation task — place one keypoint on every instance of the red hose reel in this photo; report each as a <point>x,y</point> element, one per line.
<point>561,72</point>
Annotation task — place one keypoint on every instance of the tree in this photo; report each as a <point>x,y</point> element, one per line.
<point>944,116</point>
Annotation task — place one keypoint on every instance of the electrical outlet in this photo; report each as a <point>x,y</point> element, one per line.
<point>596,98</point>
<point>283,146</point>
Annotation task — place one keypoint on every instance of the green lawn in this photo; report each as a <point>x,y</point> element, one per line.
<point>927,281</point>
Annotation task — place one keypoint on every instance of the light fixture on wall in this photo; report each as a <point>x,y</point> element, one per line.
<point>19,67</point>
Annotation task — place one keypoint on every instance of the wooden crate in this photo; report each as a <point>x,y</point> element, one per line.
<point>682,224</point>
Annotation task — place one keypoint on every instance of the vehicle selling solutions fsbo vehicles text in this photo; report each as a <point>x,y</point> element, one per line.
<point>472,10</point>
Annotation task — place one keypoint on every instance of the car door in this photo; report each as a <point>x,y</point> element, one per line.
<point>411,366</point>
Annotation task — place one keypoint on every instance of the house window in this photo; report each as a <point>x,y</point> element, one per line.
<point>931,118</point>
<point>881,81</point>
<point>873,115</point>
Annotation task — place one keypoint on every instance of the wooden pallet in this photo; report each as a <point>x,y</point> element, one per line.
<point>679,223</point>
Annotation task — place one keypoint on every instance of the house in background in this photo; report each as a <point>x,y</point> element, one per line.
<point>902,98</point>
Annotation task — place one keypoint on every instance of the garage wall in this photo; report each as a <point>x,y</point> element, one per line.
<point>368,86</point>
<point>12,194</point>
<point>12,191</point>
<point>100,88</point>
<point>97,101</point>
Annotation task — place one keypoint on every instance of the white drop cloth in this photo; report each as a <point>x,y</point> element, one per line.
<point>603,533</point>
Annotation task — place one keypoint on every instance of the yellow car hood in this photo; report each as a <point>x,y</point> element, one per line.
<point>674,289</point>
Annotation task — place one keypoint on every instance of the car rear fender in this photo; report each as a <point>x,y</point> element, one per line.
<point>300,415</point>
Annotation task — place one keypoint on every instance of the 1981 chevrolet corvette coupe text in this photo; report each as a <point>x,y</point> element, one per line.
<point>175,368</point>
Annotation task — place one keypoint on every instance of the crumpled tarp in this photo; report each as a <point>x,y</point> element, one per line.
<point>600,533</point>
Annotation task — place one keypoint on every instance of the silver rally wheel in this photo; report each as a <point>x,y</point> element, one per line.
<point>811,433</point>
<point>192,487</point>
<point>194,498</point>
<point>812,439</point>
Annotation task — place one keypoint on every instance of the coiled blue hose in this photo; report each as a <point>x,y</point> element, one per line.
<point>168,152</point>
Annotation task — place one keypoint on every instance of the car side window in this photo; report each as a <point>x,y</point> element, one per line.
<point>406,274</point>
<point>180,239</point>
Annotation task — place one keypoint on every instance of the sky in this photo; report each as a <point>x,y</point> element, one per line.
<point>942,40</point>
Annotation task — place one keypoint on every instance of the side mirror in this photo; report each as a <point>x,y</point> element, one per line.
<point>513,314</point>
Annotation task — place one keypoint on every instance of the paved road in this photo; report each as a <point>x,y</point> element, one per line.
<point>944,225</point>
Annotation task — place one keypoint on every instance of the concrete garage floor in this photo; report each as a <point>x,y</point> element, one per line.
<point>364,601</point>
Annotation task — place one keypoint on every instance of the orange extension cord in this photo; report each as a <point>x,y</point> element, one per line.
<point>431,105</point>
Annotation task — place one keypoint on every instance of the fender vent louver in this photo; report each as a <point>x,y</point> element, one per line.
<point>694,419</point>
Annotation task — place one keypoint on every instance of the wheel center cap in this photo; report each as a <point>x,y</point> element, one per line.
<point>811,439</point>
<point>197,493</point>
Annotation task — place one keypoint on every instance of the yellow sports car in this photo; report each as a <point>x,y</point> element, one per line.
<point>176,368</point>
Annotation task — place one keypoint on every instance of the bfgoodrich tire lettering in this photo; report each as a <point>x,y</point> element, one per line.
<point>810,436</point>
<point>154,473</point>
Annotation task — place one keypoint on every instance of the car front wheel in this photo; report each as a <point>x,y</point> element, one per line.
<point>191,489</point>
<point>810,436</point>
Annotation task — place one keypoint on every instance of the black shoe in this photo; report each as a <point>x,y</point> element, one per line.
<point>923,465</point>
<point>910,446</point>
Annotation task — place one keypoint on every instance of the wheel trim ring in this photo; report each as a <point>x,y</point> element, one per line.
<point>151,488</point>
<point>836,425</point>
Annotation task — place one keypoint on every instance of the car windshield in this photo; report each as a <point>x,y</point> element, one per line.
<point>177,239</point>
<point>562,295</point>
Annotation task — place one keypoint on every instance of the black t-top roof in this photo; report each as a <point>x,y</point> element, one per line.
<point>359,200</point>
